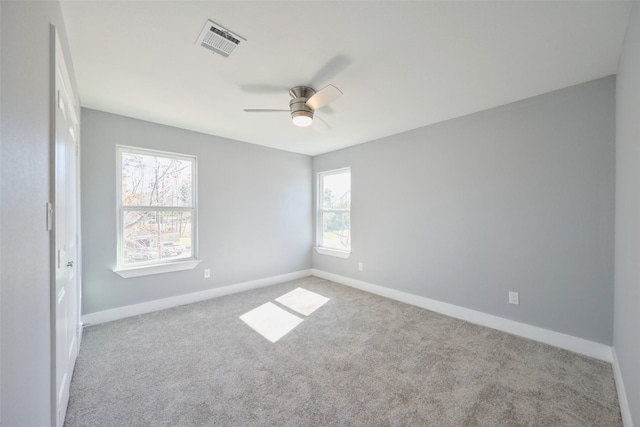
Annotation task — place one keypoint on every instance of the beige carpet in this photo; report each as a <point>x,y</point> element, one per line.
<point>357,359</point>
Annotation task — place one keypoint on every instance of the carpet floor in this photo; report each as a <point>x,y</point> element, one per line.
<point>357,360</point>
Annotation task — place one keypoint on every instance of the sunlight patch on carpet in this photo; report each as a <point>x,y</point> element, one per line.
<point>302,301</point>
<point>271,321</point>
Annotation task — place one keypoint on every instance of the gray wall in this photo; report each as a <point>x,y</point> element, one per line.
<point>254,211</point>
<point>25,176</point>
<point>519,197</point>
<point>626,336</point>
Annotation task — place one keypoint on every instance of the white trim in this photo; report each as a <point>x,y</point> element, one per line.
<point>120,208</point>
<point>625,410</point>
<point>161,304</point>
<point>147,270</point>
<point>332,252</point>
<point>557,339</point>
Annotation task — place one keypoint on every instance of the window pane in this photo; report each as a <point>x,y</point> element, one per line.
<point>156,236</point>
<point>336,230</point>
<point>336,191</point>
<point>156,181</point>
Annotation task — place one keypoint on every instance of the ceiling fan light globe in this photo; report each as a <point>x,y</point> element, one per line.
<point>302,120</point>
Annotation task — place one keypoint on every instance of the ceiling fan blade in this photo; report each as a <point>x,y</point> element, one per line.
<point>324,96</point>
<point>330,70</point>
<point>320,124</point>
<point>264,110</point>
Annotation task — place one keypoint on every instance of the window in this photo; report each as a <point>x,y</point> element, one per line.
<point>334,212</point>
<point>156,208</point>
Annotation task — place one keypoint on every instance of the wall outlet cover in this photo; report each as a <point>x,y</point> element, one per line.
<point>514,298</point>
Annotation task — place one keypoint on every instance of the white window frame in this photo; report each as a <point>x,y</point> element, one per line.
<point>321,210</point>
<point>168,265</point>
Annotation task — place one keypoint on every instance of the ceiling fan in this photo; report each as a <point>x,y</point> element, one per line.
<point>304,102</point>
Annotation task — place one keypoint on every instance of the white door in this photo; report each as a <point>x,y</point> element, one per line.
<point>66,298</point>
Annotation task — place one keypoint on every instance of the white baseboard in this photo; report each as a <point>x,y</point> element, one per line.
<point>557,339</point>
<point>161,304</point>
<point>625,411</point>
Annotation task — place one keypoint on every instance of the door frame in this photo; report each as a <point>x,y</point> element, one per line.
<point>56,55</point>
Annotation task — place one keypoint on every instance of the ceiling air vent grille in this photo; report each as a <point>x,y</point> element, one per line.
<point>218,39</point>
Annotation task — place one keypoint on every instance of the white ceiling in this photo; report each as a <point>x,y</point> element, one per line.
<point>401,65</point>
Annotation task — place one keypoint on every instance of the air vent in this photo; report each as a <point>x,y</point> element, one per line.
<point>218,39</point>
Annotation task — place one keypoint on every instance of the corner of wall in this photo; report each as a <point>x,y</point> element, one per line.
<point>625,410</point>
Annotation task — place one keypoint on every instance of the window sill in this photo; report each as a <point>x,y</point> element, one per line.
<point>156,269</point>
<point>333,252</point>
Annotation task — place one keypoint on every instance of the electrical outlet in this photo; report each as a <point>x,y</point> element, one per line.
<point>360,266</point>
<point>514,298</point>
<point>207,273</point>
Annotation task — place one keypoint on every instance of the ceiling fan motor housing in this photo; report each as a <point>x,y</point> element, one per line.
<point>301,113</point>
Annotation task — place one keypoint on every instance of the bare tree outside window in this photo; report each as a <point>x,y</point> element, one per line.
<point>157,212</point>
<point>335,210</point>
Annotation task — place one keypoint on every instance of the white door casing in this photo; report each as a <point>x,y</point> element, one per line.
<point>66,330</point>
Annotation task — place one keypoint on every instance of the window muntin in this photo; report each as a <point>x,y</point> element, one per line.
<point>334,213</point>
<point>156,207</point>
